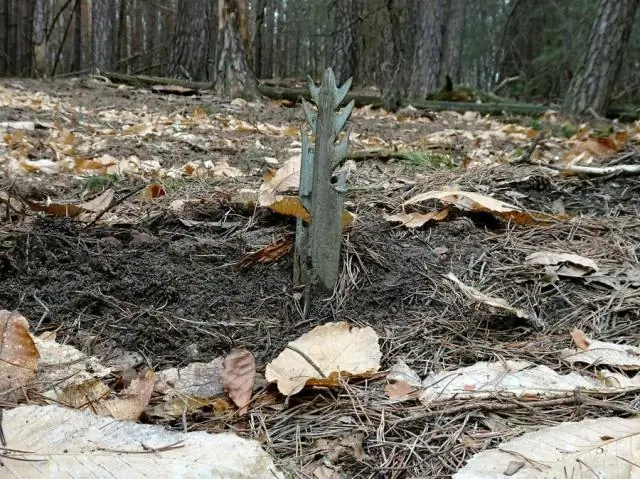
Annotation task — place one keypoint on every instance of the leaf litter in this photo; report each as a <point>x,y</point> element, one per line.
<point>183,267</point>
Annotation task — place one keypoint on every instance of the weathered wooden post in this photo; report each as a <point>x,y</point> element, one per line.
<point>322,190</point>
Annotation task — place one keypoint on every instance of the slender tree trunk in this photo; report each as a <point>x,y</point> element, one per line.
<point>103,34</point>
<point>258,41</point>
<point>452,42</point>
<point>268,38</point>
<point>150,23</point>
<point>40,20</point>
<point>77,38</point>
<point>189,52</point>
<point>123,30</point>
<point>593,83</point>
<point>233,75</point>
<point>345,42</point>
<point>428,54</point>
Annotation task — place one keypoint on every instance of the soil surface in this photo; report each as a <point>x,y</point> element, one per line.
<point>177,294</point>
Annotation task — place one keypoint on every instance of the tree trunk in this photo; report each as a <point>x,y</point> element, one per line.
<point>103,34</point>
<point>452,46</point>
<point>268,38</point>
<point>592,85</point>
<point>258,46</point>
<point>233,74</point>
<point>345,42</point>
<point>123,33</point>
<point>39,41</point>
<point>77,38</point>
<point>428,54</point>
<point>189,56</point>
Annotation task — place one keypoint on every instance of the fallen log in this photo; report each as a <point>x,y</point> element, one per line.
<point>295,94</point>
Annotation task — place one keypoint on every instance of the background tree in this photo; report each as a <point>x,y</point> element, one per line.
<point>530,49</point>
<point>427,59</point>
<point>190,51</point>
<point>233,74</point>
<point>592,85</point>
<point>103,33</point>
<point>345,41</point>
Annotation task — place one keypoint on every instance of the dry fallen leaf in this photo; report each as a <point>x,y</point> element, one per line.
<point>401,390</point>
<point>493,301</point>
<point>563,264</point>
<point>580,339</point>
<point>53,441</point>
<point>604,448</point>
<point>602,353</point>
<point>476,202</point>
<point>276,183</point>
<point>268,254</point>
<point>416,220</point>
<point>325,356</point>
<point>238,377</point>
<point>18,356</point>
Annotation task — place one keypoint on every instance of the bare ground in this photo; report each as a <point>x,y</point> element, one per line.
<point>177,295</point>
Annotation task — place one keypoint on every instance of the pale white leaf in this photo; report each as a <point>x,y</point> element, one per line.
<point>75,444</point>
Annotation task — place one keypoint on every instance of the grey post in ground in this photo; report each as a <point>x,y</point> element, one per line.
<point>322,189</point>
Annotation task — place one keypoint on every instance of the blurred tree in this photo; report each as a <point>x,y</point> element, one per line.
<point>592,86</point>
<point>452,41</point>
<point>233,76</point>
<point>345,41</point>
<point>427,59</point>
<point>189,53</point>
<point>103,33</point>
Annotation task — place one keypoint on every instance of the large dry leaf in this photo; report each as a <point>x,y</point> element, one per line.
<point>324,356</point>
<point>476,202</point>
<point>70,443</point>
<point>238,377</point>
<point>18,356</point>
<point>610,446</point>
<point>602,353</point>
<point>492,301</point>
<point>277,183</point>
<point>563,264</point>
<point>415,219</point>
<point>61,366</point>
<point>83,211</point>
<point>202,380</point>
<point>515,378</point>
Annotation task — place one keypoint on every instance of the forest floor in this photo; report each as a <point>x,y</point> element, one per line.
<point>165,282</point>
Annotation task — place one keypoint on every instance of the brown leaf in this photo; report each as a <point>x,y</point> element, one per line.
<point>476,202</point>
<point>400,389</point>
<point>580,339</point>
<point>269,253</point>
<point>154,190</point>
<point>238,376</point>
<point>18,356</point>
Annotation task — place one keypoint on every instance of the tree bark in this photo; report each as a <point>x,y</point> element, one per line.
<point>452,42</point>
<point>258,41</point>
<point>77,38</point>
<point>233,74</point>
<point>40,20</point>
<point>190,46</point>
<point>428,54</point>
<point>345,42</point>
<point>266,61</point>
<point>592,85</point>
<point>103,34</point>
